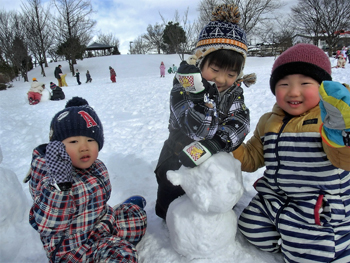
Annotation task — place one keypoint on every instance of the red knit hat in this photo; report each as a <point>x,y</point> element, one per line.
<point>305,59</point>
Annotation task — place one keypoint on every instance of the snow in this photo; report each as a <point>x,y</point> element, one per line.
<point>212,189</point>
<point>134,112</point>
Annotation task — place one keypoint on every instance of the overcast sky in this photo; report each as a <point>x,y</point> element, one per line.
<point>128,19</point>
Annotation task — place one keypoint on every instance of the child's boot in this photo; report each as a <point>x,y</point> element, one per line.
<point>136,200</point>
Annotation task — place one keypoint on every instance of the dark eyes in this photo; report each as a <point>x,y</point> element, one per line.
<point>76,141</point>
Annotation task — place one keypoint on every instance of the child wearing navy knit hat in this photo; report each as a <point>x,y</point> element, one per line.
<point>70,188</point>
<point>302,207</point>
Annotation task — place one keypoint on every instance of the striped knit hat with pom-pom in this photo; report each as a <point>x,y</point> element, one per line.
<point>77,119</point>
<point>222,32</point>
<point>305,59</point>
<point>52,86</point>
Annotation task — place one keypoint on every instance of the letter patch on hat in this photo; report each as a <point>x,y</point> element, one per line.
<point>90,122</point>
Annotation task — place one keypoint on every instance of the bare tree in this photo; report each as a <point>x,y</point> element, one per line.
<point>7,35</point>
<point>108,39</point>
<point>73,27</point>
<point>323,18</point>
<point>205,8</point>
<point>139,46</point>
<point>154,36</point>
<point>13,42</point>
<point>38,30</point>
<point>253,12</point>
<point>280,35</point>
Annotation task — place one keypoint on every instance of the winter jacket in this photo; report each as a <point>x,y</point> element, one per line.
<point>36,87</point>
<point>88,77</point>
<point>57,94</point>
<point>162,70</point>
<point>58,71</point>
<point>112,72</point>
<point>302,175</point>
<point>78,225</point>
<point>223,128</point>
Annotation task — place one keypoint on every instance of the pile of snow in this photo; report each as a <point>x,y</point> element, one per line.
<point>134,112</point>
<point>202,223</point>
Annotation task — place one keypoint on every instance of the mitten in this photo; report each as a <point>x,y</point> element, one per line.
<point>59,165</point>
<point>199,151</point>
<point>191,79</point>
<point>335,113</point>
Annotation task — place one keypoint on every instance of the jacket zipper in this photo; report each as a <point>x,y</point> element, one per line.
<point>286,119</point>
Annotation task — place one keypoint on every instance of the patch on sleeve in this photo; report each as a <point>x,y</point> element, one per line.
<point>312,121</point>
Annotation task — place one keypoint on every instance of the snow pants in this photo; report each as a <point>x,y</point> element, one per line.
<point>169,160</point>
<point>60,82</point>
<point>269,224</point>
<point>34,98</point>
<point>109,242</point>
<point>113,78</point>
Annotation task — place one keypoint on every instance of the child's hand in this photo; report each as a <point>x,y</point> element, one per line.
<point>335,113</point>
<point>59,165</point>
<point>191,79</point>
<point>194,154</point>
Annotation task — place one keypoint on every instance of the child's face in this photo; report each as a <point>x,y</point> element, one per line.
<point>223,78</point>
<point>297,93</point>
<point>82,150</point>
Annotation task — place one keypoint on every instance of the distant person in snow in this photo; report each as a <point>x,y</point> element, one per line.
<point>58,73</point>
<point>174,68</point>
<point>302,205</point>
<point>162,69</point>
<point>70,188</point>
<point>170,70</point>
<point>206,118</point>
<point>35,92</point>
<point>88,77</point>
<point>341,61</point>
<point>343,52</point>
<point>112,74</point>
<point>57,92</point>
<point>77,75</point>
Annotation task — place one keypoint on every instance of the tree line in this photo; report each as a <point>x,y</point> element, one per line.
<point>64,29</point>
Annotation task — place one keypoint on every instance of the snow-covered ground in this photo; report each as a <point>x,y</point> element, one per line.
<point>134,112</point>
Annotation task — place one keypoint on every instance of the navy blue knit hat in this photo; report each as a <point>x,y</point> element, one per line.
<point>222,32</point>
<point>77,119</point>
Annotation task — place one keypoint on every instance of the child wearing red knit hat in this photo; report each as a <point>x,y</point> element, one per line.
<point>302,207</point>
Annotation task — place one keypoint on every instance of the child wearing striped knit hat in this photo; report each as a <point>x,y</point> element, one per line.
<point>208,114</point>
<point>302,207</point>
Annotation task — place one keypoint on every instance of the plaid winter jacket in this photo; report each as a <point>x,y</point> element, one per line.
<point>226,125</point>
<point>78,225</point>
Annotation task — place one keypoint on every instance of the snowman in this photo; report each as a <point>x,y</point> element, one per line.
<point>202,222</point>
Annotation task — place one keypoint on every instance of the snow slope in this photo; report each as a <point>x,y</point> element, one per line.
<point>134,112</point>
